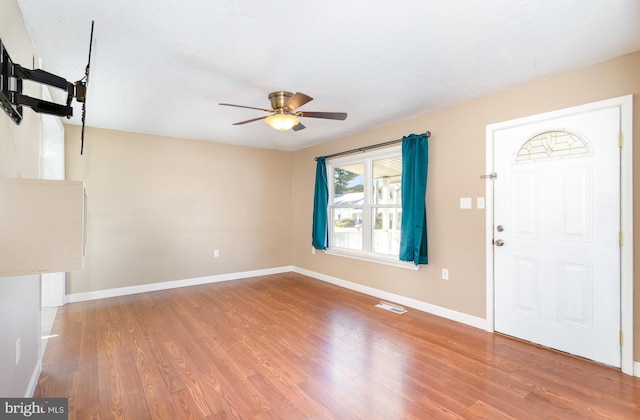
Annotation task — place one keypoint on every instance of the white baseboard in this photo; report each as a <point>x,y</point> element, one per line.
<point>636,369</point>
<point>33,382</point>
<point>165,285</point>
<point>412,303</point>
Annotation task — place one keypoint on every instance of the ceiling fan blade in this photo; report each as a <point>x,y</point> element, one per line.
<point>298,127</point>
<point>248,107</point>
<point>251,120</point>
<point>325,115</point>
<point>297,100</point>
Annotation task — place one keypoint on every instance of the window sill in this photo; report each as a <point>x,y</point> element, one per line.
<point>373,258</point>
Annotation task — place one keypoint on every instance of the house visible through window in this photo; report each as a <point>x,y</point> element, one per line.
<point>365,208</point>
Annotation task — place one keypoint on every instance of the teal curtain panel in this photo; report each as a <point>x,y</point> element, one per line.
<point>320,230</point>
<point>413,234</point>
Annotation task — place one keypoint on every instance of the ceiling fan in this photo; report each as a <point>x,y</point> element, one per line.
<point>283,113</point>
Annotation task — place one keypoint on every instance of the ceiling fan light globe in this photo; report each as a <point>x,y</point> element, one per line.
<point>282,122</point>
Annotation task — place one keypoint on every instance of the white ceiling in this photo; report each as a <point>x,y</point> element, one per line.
<point>162,66</point>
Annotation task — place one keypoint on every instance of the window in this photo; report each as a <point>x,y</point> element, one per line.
<point>552,145</point>
<point>365,204</point>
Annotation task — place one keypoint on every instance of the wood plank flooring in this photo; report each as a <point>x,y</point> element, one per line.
<point>290,347</point>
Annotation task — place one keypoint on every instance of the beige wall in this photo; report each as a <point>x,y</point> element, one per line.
<point>19,144</point>
<point>457,159</point>
<point>159,206</point>
<point>19,158</point>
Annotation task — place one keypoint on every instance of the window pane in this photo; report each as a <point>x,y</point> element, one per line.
<point>347,228</point>
<point>349,180</point>
<point>387,176</point>
<point>386,230</point>
<point>552,144</point>
<point>366,204</point>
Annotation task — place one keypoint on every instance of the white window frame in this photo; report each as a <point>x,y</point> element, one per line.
<point>366,159</point>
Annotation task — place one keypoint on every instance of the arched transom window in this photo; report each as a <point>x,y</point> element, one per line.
<point>552,145</point>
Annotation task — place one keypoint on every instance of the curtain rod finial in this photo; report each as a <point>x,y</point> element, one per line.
<point>428,133</point>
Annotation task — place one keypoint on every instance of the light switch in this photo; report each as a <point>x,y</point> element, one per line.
<point>465,203</point>
<point>480,202</point>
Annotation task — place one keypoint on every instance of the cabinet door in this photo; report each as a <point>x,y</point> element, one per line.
<point>41,226</point>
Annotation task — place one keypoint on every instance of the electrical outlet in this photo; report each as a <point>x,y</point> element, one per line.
<point>445,274</point>
<point>18,351</point>
<point>216,253</point>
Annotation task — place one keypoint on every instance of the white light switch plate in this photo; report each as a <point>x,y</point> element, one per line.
<point>480,202</point>
<point>465,202</point>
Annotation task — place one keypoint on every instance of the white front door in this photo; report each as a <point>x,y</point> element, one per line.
<point>556,228</point>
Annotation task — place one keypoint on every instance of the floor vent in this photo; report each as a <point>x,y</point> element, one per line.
<point>392,307</point>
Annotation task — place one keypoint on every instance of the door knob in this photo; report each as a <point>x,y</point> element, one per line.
<point>499,242</point>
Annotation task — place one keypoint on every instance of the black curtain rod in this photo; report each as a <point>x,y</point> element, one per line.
<point>365,148</point>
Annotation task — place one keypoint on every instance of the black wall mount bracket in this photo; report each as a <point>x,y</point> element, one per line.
<point>9,84</point>
<point>12,76</point>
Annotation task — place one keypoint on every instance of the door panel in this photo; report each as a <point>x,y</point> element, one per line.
<point>574,207</point>
<point>525,205</point>
<point>526,283</point>
<point>575,294</point>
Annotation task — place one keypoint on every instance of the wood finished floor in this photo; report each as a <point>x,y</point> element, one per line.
<point>290,347</point>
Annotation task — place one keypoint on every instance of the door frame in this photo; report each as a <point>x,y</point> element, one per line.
<point>625,103</point>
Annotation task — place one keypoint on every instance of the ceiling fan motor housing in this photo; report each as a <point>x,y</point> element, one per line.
<point>279,99</point>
